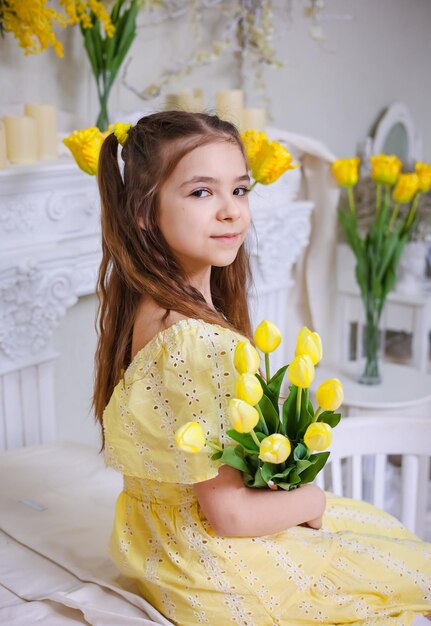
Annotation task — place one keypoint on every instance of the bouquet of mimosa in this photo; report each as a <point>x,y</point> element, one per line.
<point>274,445</point>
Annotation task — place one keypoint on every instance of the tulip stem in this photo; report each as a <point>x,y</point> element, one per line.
<point>214,446</point>
<point>316,414</point>
<point>351,200</point>
<point>393,216</point>
<point>378,198</point>
<point>412,211</point>
<point>262,419</point>
<point>253,184</point>
<point>268,376</point>
<point>255,439</point>
<point>298,403</point>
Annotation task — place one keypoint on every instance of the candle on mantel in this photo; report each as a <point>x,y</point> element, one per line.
<point>21,139</point>
<point>253,119</point>
<point>181,101</point>
<point>45,116</point>
<point>197,101</point>
<point>3,157</point>
<point>229,105</point>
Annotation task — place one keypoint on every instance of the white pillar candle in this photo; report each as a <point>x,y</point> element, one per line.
<point>253,119</point>
<point>46,120</point>
<point>182,101</point>
<point>229,105</point>
<point>197,101</point>
<point>3,157</point>
<point>21,139</point>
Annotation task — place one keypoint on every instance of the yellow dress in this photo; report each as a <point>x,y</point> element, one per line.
<point>363,567</point>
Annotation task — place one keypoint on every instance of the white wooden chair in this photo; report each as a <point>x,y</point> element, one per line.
<point>356,439</point>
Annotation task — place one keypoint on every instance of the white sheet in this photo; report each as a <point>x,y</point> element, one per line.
<point>56,511</point>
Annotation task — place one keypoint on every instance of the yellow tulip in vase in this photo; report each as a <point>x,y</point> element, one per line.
<point>378,251</point>
<point>275,447</point>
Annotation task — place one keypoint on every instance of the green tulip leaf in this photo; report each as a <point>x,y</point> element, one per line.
<point>244,439</point>
<point>217,455</point>
<point>267,391</point>
<point>232,457</point>
<point>274,385</point>
<point>329,417</point>
<point>289,421</point>
<point>300,452</point>
<point>270,414</point>
<point>257,481</point>
<point>318,461</point>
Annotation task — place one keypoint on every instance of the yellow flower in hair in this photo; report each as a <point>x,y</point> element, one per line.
<point>268,160</point>
<point>121,131</point>
<point>85,147</point>
<point>271,162</point>
<point>253,141</point>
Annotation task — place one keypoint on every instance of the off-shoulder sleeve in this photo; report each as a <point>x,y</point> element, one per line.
<point>186,375</point>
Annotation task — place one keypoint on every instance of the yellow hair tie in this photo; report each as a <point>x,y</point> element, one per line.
<point>121,131</point>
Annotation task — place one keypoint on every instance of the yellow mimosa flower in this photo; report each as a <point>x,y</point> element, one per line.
<point>318,436</point>
<point>309,343</point>
<point>346,171</point>
<point>330,394</point>
<point>242,415</point>
<point>267,336</point>
<point>253,141</point>
<point>423,170</point>
<point>248,388</point>
<point>406,187</point>
<point>121,131</point>
<point>385,168</point>
<point>274,449</point>
<point>85,148</point>
<point>301,371</point>
<point>246,358</point>
<point>190,437</point>
<point>271,162</point>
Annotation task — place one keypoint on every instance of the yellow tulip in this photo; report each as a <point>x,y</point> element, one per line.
<point>267,336</point>
<point>301,371</point>
<point>309,343</point>
<point>253,141</point>
<point>346,171</point>
<point>121,131</point>
<point>330,394</point>
<point>274,449</point>
<point>406,187</point>
<point>385,168</point>
<point>318,436</point>
<point>271,162</point>
<point>423,170</point>
<point>190,437</point>
<point>242,415</point>
<point>246,358</point>
<point>248,388</point>
<point>85,148</point>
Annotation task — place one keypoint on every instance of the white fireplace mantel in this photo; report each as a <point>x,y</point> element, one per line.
<point>49,257</point>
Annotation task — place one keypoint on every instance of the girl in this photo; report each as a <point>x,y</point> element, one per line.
<point>203,548</point>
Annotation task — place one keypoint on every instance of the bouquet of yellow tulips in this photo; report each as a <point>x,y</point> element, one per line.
<point>378,251</point>
<point>276,447</point>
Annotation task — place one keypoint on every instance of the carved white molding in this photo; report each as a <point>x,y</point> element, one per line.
<point>282,233</point>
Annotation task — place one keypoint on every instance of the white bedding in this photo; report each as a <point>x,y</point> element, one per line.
<point>56,511</point>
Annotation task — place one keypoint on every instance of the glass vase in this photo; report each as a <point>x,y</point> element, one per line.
<point>372,347</point>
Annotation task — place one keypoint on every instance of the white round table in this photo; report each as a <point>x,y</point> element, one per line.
<point>403,390</point>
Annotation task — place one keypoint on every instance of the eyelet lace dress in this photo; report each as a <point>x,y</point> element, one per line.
<point>362,568</point>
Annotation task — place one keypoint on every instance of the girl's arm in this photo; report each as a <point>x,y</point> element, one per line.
<point>234,510</point>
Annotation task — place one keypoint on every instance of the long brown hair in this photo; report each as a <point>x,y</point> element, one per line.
<point>138,261</point>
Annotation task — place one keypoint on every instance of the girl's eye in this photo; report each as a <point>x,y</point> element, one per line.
<point>200,193</point>
<point>241,191</point>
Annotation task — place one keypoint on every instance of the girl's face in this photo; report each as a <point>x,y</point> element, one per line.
<point>203,207</point>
